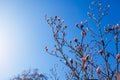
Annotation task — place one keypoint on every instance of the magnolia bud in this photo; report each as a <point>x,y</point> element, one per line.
<point>98,70</point>
<point>100,51</point>
<point>76,25</point>
<point>75,39</point>
<point>83,33</point>
<point>65,62</point>
<point>71,60</point>
<point>64,27</point>
<point>46,48</point>
<point>81,26</point>
<point>86,57</point>
<point>116,37</point>
<point>85,67</point>
<point>55,17</point>
<point>83,60</point>
<point>58,19</point>
<point>40,74</point>
<point>118,57</point>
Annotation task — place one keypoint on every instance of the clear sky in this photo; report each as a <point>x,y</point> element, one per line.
<point>24,32</point>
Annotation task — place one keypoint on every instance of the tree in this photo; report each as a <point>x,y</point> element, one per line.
<point>30,75</point>
<point>90,54</point>
<point>86,55</point>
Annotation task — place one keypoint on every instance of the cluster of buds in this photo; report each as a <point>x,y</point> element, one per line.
<point>115,27</point>
<point>118,57</point>
<point>81,25</point>
<point>56,17</point>
<point>98,70</point>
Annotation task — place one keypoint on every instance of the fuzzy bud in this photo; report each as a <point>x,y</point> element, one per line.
<point>75,39</point>
<point>98,70</point>
<point>83,33</point>
<point>100,51</point>
<point>46,48</point>
<point>65,62</point>
<point>55,17</point>
<point>85,67</point>
<point>83,60</point>
<point>76,25</point>
<point>58,19</point>
<point>40,74</point>
<point>71,60</point>
<point>86,57</point>
<point>118,57</point>
<point>64,27</point>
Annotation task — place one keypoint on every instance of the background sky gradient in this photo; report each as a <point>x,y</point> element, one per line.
<point>24,32</point>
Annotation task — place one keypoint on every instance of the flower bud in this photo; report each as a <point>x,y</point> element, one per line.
<point>40,74</point>
<point>58,19</point>
<point>83,33</point>
<point>75,39</point>
<point>86,57</point>
<point>83,60</point>
<point>116,37</point>
<point>85,67</point>
<point>118,57</point>
<point>100,51</point>
<point>71,60</point>
<point>55,17</point>
<point>76,25</point>
<point>81,25</point>
<point>64,27</point>
<point>46,48</point>
<point>98,70</point>
<point>65,62</point>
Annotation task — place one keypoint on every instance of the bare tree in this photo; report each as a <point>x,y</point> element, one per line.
<point>88,57</point>
<point>30,75</point>
<point>91,59</point>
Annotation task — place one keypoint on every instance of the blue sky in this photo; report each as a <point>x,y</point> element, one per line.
<point>24,32</point>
